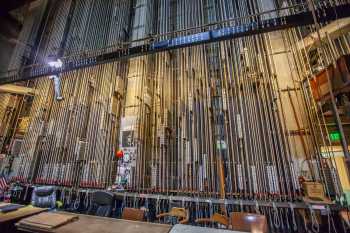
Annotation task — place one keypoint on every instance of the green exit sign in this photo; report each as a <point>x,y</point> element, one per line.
<point>334,136</point>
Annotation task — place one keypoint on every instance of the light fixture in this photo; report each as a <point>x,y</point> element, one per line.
<point>54,62</point>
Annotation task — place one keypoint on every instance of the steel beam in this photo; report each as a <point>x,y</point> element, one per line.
<point>14,89</point>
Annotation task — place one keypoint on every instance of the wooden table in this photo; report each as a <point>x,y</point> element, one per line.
<point>95,224</point>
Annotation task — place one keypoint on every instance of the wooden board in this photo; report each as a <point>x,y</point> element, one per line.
<point>20,213</point>
<point>47,220</point>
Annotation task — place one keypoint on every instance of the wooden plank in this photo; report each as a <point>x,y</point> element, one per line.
<point>15,89</point>
<point>48,220</point>
<point>20,213</point>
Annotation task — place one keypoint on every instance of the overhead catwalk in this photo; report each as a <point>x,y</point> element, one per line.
<point>301,17</point>
<point>205,125</point>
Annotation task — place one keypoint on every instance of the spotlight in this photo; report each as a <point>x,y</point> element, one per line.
<point>55,62</point>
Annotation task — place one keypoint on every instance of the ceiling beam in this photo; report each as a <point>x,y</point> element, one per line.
<point>333,30</point>
<point>15,89</point>
<point>148,47</point>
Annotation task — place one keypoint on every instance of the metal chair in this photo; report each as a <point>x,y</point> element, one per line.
<point>102,204</point>
<point>44,197</point>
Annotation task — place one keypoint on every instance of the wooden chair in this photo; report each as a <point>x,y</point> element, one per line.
<point>180,213</point>
<point>133,214</point>
<point>248,222</point>
<point>345,217</point>
<point>216,218</point>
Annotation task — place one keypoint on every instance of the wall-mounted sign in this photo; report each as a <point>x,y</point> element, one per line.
<point>335,136</point>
